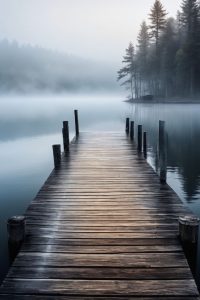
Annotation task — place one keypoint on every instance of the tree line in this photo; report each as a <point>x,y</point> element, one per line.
<point>32,69</point>
<point>165,62</point>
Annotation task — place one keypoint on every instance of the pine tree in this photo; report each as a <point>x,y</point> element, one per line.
<point>142,56</point>
<point>157,17</point>
<point>143,40</point>
<point>169,46</point>
<point>190,17</point>
<point>129,71</point>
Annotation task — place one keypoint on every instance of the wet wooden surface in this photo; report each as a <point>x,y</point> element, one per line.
<point>102,227</point>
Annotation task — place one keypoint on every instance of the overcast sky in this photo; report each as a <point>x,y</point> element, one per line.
<point>97,29</point>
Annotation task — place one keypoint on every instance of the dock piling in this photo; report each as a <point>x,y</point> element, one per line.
<point>132,131</point>
<point>16,227</point>
<point>65,132</point>
<point>162,152</point>
<point>139,138</point>
<point>188,229</point>
<point>57,155</point>
<point>76,122</point>
<point>145,144</point>
<point>127,125</point>
<point>188,233</point>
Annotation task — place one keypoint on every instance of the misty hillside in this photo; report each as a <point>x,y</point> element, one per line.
<point>33,69</point>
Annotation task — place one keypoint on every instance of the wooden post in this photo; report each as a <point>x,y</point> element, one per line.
<point>132,131</point>
<point>16,227</point>
<point>65,132</point>
<point>188,233</point>
<point>188,229</point>
<point>76,122</point>
<point>57,155</point>
<point>145,144</point>
<point>127,125</point>
<point>139,138</point>
<point>162,152</point>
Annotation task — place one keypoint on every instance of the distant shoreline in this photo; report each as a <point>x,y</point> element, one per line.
<point>164,101</point>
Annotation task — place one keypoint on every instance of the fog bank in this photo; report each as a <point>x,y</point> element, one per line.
<point>28,69</point>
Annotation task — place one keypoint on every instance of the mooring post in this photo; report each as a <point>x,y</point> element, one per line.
<point>188,233</point>
<point>65,132</point>
<point>162,152</point>
<point>139,138</point>
<point>132,131</point>
<point>16,227</point>
<point>76,122</point>
<point>127,125</point>
<point>145,144</point>
<point>57,155</point>
<point>188,229</point>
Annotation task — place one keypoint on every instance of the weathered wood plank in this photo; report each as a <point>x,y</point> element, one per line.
<point>69,297</point>
<point>100,273</point>
<point>142,260</point>
<point>102,287</point>
<point>95,249</point>
<point>38,240</point>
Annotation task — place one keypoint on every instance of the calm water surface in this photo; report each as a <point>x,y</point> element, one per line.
<point>30,125</point>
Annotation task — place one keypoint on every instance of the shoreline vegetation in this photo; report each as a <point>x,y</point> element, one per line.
<point>165,61</point>
<point>174,100</point>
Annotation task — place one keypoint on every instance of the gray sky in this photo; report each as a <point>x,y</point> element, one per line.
<point>97,29</point>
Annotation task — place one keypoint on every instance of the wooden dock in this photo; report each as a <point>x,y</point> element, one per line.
<point>102,227</point>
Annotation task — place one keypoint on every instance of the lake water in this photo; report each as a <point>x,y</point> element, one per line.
<point>30,125</point>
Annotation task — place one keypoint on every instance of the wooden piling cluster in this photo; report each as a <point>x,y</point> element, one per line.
<point>102,227</point>
<point>66,140</point>
<point>142,145</point>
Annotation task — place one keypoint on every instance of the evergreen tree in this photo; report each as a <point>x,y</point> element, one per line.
<point>128,72</point>
<point>142,56</point>
<point>170,65</point>
<point>190,17</point>
<point>169,46</point>
<point>157,18</point>
<point>143,40</point>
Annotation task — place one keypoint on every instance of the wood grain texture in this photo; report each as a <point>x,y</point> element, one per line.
<point>102,227</point>
<point>82,297</point>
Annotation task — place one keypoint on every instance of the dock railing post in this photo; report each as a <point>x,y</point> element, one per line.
<point>76,122</point>
<point>188,233</point>
<point>132,131</point>
<point>162,152</point>
<point>16,227</point>
<point>57,155</point>
<point>145,144</point>
<point>65,132</point>
<point>139,138</point>
<point>127,128</point>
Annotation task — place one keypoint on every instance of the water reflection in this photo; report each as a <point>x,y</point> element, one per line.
<point>183,130</point>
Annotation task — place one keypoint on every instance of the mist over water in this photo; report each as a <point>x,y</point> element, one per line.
<point>23,116</point>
